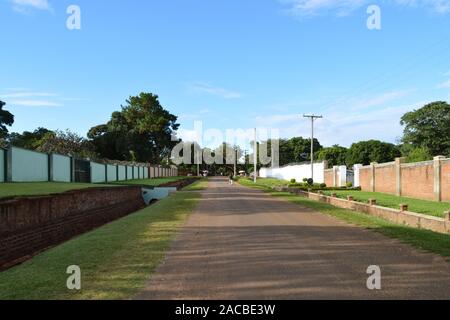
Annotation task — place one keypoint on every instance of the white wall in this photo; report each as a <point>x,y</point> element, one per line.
<point>98,173</point>
<point>28,166</point>
<point>61,168</point>
<point>297,172</point>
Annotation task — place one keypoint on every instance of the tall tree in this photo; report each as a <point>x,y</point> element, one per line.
<point>141,131</point>
<point>66,143</point>
<point>6,119</point>
<point>429,128</point>
<point>335,155</point>
<point>28,140</point>
<point>365,152</point>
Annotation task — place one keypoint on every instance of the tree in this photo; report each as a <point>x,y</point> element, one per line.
<point>6,119</point>
<point>28,140</point>
<point>66,143</point>
<point>429,128</point>
<point>294,150</point>
<point>335,155</point>
<point>365,152</point>
<point>141,131</point>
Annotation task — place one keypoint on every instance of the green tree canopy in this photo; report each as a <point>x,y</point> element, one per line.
<point>28,140</point>
<point>335,155</point>
<point>141,131</point>
<point>429,127</point>
<point>365,152</point>
<point>6,119</point>
<point>66,143</point>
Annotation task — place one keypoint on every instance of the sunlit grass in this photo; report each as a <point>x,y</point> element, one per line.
<point>116,260</point>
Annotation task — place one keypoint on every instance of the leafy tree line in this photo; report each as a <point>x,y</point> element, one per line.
<point>426,134</point>
<point>142,131</point>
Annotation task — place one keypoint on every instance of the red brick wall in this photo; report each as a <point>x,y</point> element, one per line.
<point>329,178</point>
<point>30,225</point>
<point>418,181</point>
<point>445,181</point>
<point>385,179</point>
<point>365,175</point>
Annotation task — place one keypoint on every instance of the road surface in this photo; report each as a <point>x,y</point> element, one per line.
<point>243,244</point>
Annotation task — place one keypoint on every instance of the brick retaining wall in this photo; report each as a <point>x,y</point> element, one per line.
<point>407,218</point>
<point>30,225</point>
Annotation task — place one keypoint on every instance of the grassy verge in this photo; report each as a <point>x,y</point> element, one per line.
<point>8,190</point>
<point>116,260</point>
<point>150,182</point>
<point>199,185</point>
<point>431,208</point>
<point>422,239</point>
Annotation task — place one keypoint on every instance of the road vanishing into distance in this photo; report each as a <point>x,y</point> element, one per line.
<point>241,243</point>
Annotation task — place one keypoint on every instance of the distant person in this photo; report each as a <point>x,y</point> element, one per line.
<point>231,179</point>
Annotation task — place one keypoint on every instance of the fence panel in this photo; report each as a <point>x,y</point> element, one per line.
<point>136,173</point>
<point>28,166</point>
<point>111,173</point>
<point>145,172</point>
<point>2,166</point>
<point>60,168</point>
<point>122,173</point>
<point>98,173</point>
<point>129,173</point>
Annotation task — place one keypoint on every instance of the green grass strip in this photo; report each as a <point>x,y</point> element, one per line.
<point>422,239</point>
<point>116,260</point>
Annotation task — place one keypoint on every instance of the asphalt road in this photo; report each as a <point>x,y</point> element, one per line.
<point>243,244</point>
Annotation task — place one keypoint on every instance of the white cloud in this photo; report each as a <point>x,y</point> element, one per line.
<point>24,5</point>
<point>444,85</point>
<point>28,98</point>
<point>305,8</point>
<point>28,94</point>
<point>35,103</point>
<point>348,122</point>
<point>202,87</point>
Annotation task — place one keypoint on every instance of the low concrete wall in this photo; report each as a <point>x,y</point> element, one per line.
<point>30,225</point>
<point>407,218</point>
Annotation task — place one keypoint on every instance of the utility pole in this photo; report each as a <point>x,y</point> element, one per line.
<point>313,118</point>
<point>255,158</point>
<point>235,161</point>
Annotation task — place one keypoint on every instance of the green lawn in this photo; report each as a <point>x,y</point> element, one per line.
<point>263,183</point>
<point>199,185</point>
<point>150,182</point>
<point>40,188</point>
<point>419,238</point>
<point>432,208</point>
<point>116,260</point>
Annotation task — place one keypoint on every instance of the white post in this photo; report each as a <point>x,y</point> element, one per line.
<point>356,170</point>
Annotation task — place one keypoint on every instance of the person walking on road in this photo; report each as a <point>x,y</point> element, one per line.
<point>231,179</point>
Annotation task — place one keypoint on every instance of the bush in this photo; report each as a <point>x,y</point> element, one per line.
<point>296,185</point>
<point>323,185</point>
<point>349,185</point>
<point>305,180</point>
<point>293,181</point>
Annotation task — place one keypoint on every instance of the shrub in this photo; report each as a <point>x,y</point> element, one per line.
<point>349,185</point>
<point>293,181</point>
<point>305,179</point>
<point>323,185</point>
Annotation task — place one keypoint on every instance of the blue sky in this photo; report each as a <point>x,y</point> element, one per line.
<point>229,63</point>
